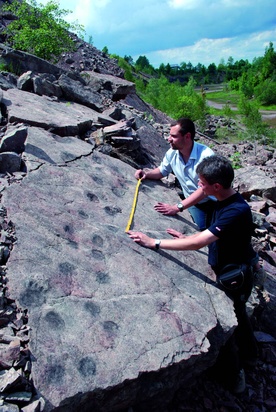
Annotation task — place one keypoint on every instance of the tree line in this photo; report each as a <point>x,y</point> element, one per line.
<point>252,79</point>
<point>180,91</point>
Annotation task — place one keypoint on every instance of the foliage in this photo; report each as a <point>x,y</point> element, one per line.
<point>241,75</point>
<point>227,111</point>
<point>256,128</point>
<point>171,89</point>
<point>246,85</point>
<point>125,66</point>
<point>236,160</point>
<point>269,62</point>
<point>174,89</point>
<point>143,64</point>
<point>266,92</point>
<point>175,100</point>
<point>40,29</point>
<point>234,84</point>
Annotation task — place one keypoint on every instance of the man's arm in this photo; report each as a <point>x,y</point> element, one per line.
<point>192,242</point>
<point>153,174</point>
<point>191,200</point>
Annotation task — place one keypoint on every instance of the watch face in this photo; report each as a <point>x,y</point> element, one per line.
<point>157,243</point>
<point>180,206</point>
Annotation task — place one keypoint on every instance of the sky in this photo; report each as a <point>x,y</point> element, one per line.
<point>177,31</point>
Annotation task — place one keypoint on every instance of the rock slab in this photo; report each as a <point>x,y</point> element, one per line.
<point>103,311</point>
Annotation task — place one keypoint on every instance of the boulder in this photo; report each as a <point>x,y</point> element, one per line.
<point>62,119</point>
<point>116,87</point>
<point>14,140</point>
<point>7,81</point>
<point>251,180</point>
<point>107,316</point>
<point>75,91</point>
<point>46,85</point>
<point>10,162</point>
<point>26,62</point>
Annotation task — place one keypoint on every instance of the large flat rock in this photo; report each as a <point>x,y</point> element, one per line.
<point>63,118</point>
<point>104,311</point>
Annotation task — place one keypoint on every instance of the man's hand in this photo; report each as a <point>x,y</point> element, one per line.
<point>142,239</point>
<point>140,174</point>
<point>166,209</point>
<point>175,234</point>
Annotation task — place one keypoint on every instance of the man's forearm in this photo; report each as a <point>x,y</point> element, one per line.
<point>193,199</point>
<point>152,174</point>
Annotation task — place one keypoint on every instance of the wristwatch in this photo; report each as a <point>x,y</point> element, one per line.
<point>180,207</point>
<point>157,243</point>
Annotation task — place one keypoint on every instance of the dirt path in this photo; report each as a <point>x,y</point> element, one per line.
<point>266,114</point>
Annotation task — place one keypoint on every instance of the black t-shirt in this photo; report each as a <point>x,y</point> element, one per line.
<point>232,224</point>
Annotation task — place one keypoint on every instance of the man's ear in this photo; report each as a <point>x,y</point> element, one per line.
<point>217,187</point>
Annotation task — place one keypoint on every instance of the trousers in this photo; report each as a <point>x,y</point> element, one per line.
<point>244,335</point>
<point>202,213</point>
<point>242,346</point>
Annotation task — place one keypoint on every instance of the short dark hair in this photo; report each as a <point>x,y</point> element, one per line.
<point>186,126</point>
<point>216,169</point>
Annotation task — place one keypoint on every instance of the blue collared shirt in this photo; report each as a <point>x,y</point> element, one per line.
<point>185,172</point>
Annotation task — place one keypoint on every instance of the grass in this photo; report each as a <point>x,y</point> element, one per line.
<point>224,97</point>
<point>231,97</point>
<point>268,108</point>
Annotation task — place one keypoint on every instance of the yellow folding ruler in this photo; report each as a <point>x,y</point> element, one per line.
<point>133,206</point>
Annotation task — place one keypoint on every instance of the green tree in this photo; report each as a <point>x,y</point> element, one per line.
<point>105,50</point>
<point>162,69</point>
<point>269,62</point>
<point>266,92</point>
<point>142,64</point>
<point>40,29</point>
<point>212,73</point>
<point>174,99</point>
<point>129,60</point>
<point>246,85</point>
<point>168,69</point>
<point>256,128</point>
<point>125,66</point>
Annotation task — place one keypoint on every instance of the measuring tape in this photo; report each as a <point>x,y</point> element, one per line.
<point>133,206</point>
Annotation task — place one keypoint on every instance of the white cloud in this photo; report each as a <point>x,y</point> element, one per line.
<point>195,4</point>
<point>185,4</point>
<point>207,51</point>
<point>173,31</point>
<point>89,13</point>
<point>236,3</point>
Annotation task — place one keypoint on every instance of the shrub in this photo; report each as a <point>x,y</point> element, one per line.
<point>266,92</point>
<point>40,29</point>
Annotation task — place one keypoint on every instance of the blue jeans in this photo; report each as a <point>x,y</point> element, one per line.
<point>198,216</point>
<point>202,213</point>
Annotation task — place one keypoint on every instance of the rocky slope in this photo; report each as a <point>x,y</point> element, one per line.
<point>71,136</point>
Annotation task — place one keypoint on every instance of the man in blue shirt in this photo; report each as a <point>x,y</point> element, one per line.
<point>229,241</point>
<point>182,159</point>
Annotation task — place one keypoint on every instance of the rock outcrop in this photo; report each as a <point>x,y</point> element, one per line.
<point>90,320</point>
